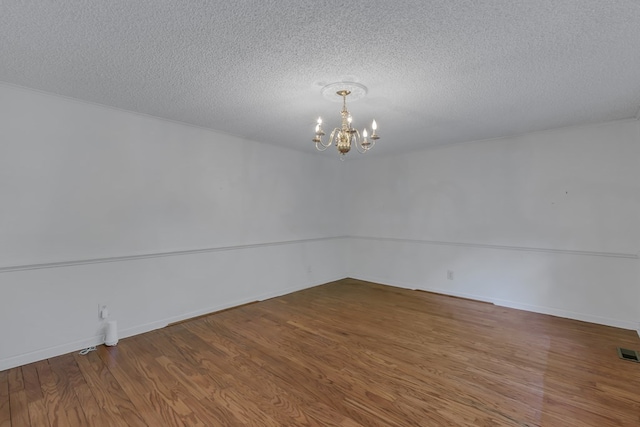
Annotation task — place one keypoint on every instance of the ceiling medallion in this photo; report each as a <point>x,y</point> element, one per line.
<point>345,136</point>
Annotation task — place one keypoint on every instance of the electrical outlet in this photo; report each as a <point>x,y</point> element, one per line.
<point>450,274</point>
<point>103,312</point>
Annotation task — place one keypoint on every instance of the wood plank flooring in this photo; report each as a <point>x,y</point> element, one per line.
<point>348,353</point>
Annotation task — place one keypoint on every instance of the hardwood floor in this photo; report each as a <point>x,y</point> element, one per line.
<point>348,353</point>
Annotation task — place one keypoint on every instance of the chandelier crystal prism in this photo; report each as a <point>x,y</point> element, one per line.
<point>346,136</point>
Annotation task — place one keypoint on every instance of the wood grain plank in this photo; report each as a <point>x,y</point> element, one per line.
<point>56,412</point>
<point>132,383</point>
<point>156,402</point>
<point>18,399</point>
<point>277,407</point>
<point>38,413</point>
<point>5,409</point>
<point>195,377</point>
<point>96,414</point>
<point>115,407</point>
<point>68,378</point>
<point>32,383</point>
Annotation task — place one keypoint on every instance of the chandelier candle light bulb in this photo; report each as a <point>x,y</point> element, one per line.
<point>345,136</point>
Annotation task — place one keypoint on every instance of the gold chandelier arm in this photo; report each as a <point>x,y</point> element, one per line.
<point>331,139</point>
<point>364,144</point>
<point>362,149</point>
<point>318,140</point>
<point>322,144</point>
<point>321,147</point>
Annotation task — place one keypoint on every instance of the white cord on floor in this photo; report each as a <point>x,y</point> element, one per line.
<point>87,350</point>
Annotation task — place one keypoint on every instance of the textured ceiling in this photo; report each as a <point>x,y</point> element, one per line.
<point>437,72</point>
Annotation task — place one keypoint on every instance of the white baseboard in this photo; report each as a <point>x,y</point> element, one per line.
<point>45,353</point>
<point>617,323</point>
<point>412,286</point>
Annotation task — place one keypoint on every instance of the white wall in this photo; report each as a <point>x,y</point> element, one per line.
<point>546,222</point>
<point>158,220</point>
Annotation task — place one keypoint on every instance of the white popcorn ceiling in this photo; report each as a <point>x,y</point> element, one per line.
<point>437,72</point>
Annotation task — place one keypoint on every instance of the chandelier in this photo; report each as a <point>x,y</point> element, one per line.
<point>345,136</point>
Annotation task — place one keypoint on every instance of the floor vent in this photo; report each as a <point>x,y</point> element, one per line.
<point>627,354</point>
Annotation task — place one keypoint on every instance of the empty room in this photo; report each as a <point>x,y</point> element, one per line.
<point>320,213</point>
